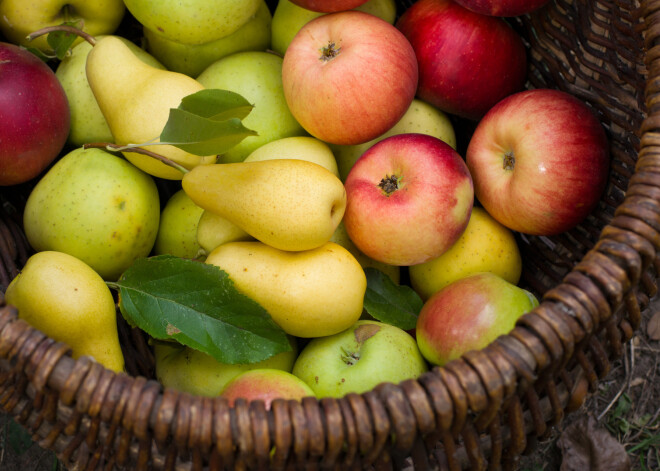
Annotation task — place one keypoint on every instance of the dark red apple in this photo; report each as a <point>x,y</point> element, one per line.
<point>467,61</point>
<point>34,115</point>
<point>328,6</point>
<point>502,7</point>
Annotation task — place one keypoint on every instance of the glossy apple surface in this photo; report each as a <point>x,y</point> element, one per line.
<point>328,6</point>
<point>502,7</point>
<point>409,198</point>
<point>34,115</point>
<point>265,384</point>
<point>348,77</point>
<point>468,314</point>
<point>539,160</point>
<point>467,61</point>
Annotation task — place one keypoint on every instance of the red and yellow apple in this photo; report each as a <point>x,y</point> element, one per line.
<point>348,77</point>
<point>502,7</point>
<point>265,384</point>
<point>539,160</point>
<point>328,6</point>
<point>408,199</point>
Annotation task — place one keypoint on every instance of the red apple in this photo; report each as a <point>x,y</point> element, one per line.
<point>328,6</point>
<point>502,7</point>
<point>34,115</point>
<point>468,314</point>
<point>265,384</point>
<point>348,77</point>
<point>539,160</point>
<point>467,61</point>
<point>409,198</point>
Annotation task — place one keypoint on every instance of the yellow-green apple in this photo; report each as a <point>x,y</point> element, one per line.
<point>265,385</point>
<point>34,115</point>
<point>19,18</point>
<point>358,359</point>
<point>539,160</point>
<point>192,59</point>
<point>288,18</point>
<point>468,314</point>
<point>502,7</point>
<point>485,246</point>
<point>328,6</point>
<point>257,76</point>
<point>193,21</point>
<point>177,229</point>
<point>297,147</point>
<point>420,118</point>
<point>348,77</point>
<point>408,199</point>
<point>467,61</point>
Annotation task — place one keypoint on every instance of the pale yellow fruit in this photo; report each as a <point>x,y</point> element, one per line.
<point>286,203</point>
<point>177,231</point>
<point>313,293</point>
<point>214,230</point>
<point>69,302</point>
<point>484,246</point>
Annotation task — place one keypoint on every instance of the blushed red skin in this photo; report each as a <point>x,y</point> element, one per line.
<point>265,386</point>
<point>328,6</point>
<point>561,161</point>
<point>467,61</point>
<point>34,115</point>
<point>418,221</point>
<point>506,8</point>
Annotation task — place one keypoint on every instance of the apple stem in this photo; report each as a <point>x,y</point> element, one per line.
<point>65,28</point>
<point>509,161</point>
<point>109,146</point>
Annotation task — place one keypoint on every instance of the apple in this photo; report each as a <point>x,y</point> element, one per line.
<point>539,160</point>
<point>485,246</point>
<point>19,18</point>
<point>328,6</point>
<point>409,198</point>
<point>177,229</point>
<point>34,115</point>
<point>358,359</point>
<point>502,7</point>
<point>468,314</point>
<point>348,77</point>
<point>297,147</point>
<point>265,384</point>
<point>467,61</point>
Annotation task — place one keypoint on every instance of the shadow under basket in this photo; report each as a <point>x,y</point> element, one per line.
<point>482,411</point>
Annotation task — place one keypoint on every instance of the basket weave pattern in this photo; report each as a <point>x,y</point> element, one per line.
<point>479,412</point>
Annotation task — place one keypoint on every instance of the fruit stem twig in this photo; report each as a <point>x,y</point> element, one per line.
<point>65,28</point>
<point>138,150</point>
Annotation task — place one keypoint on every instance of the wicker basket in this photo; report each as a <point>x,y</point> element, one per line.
<point>479,412</point>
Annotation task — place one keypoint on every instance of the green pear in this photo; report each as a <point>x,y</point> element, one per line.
<point>193,21</point>
<point>297,147</point>
<point>135,99</point>
<point>87,121</point>
<point>312,293</point>
<point>420,117</point>
<point>96,206</point>
<point>192,59</point>
<point>286,203</point>
<point>68,301</point>
<point>189,370</point>
<point>177,231</point>
<point>214,230</point>
<point>288,18</point>
<point>257,76</point>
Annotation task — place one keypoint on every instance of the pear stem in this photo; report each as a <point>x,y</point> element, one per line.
<point>65,28</point>
<point>109,146</point>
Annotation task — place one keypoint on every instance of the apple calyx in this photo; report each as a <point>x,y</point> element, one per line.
<point>362,334</point>
<point>329,52</point>
<point>508,161</point>
<point>389,184</point>
<point>350,358</point>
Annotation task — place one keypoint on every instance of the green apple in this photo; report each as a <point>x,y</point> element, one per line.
<point>257,76</point>
<point>19,18</point>
<point>358,359</point>
<point>189,370</point>
<point>87,122</point>
<point>177,232</point>
<point>193,21</point>
<point>297,147</point>
<point>468,314</point>
<point>288,18</point>
<point>192,59</point>
<point>214,230</point>
<point>265,385</point>
<point>420,118</point>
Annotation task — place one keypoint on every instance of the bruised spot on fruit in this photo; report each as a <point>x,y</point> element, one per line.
<point>389,184</point>
<point>509,161</point>
<point>329,52</point>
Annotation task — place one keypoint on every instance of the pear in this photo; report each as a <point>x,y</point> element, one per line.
<point>135,99</point>
<point>177,231</point>
<point>214,230</point>
<point>312,293</point>
<point>68,301</point>
<point>289,204</point>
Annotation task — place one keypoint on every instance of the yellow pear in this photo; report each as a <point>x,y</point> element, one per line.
<point>68,301</point>
<point>312,293</point>
<point>214,230</point>
<point>135,99</point>
<point>288,204</point>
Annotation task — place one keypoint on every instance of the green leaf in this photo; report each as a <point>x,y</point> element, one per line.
<point>388,302</point>
<point>197,304</point>
<point>216,104</point>
<point>202,136</point>
<point>18,437</point>
<point>62,41</point>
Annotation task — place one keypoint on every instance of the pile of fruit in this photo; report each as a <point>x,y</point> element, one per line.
<point>323,234</point>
